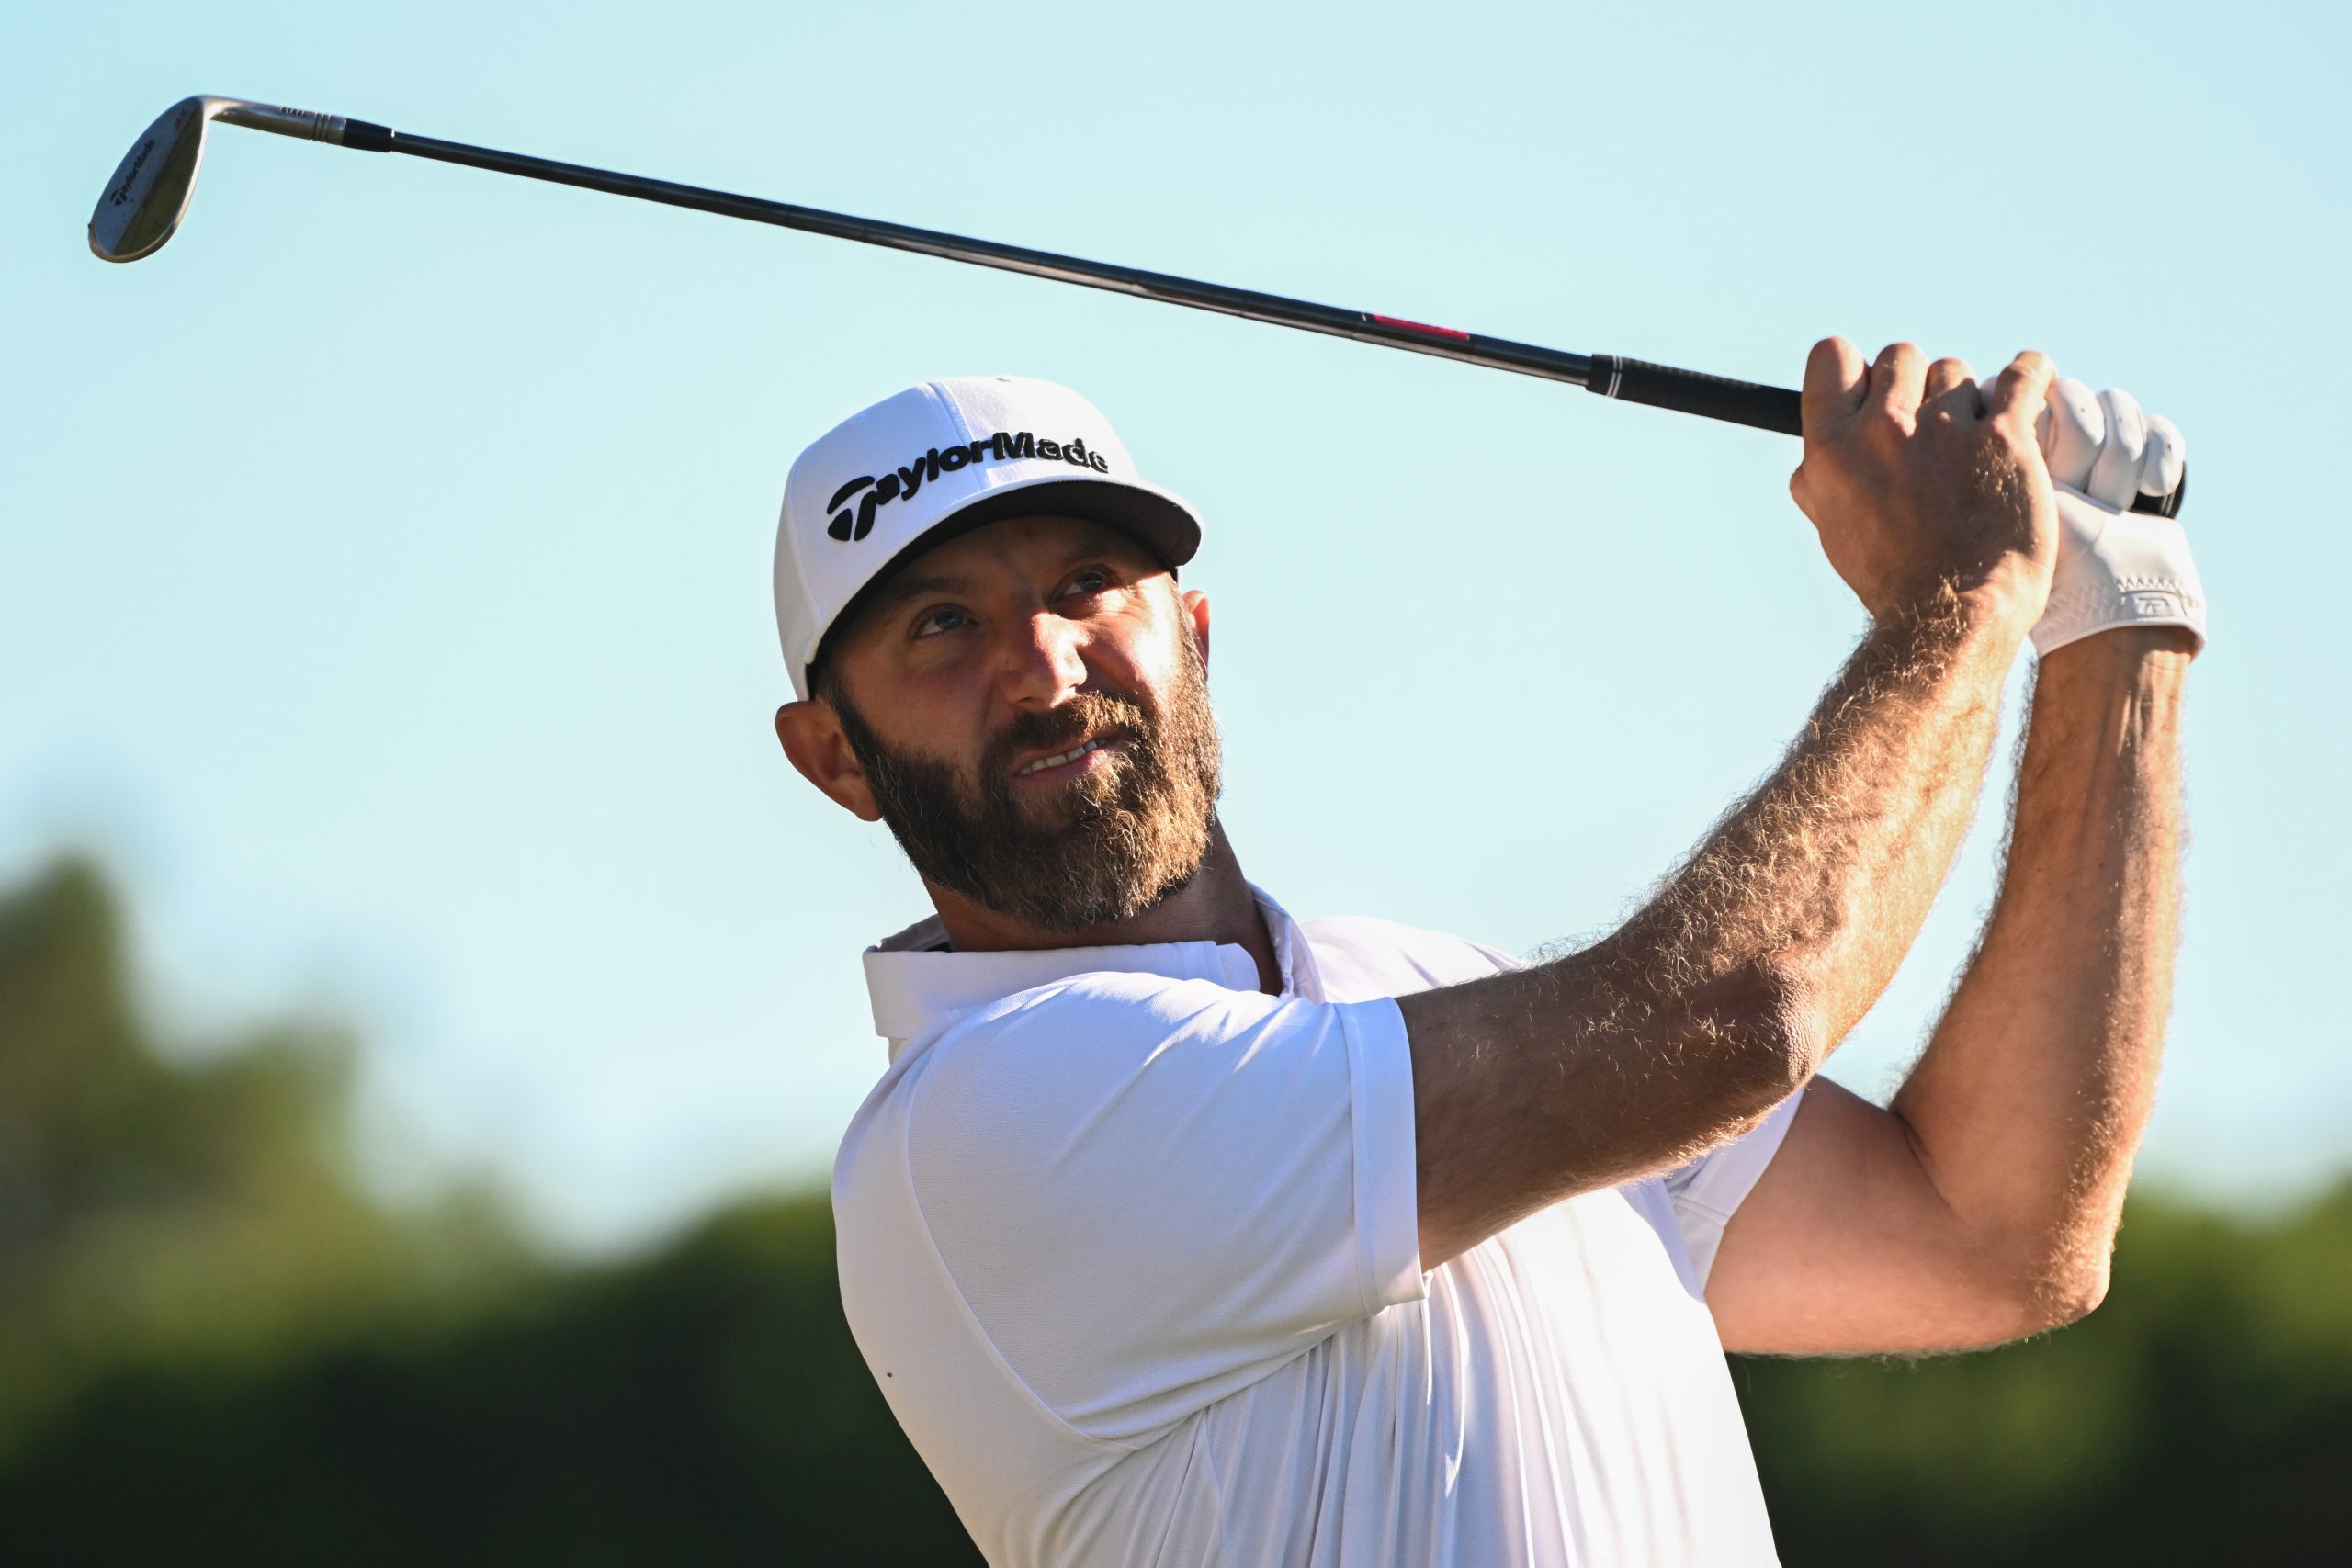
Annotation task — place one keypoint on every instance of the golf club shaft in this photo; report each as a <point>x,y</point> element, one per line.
<point>1632,380</point>
<point>1611,375</point>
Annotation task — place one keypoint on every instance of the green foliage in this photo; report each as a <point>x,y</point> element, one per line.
<point>198,1209</point>
<point>213,1345</point>
<point>706,1408</point>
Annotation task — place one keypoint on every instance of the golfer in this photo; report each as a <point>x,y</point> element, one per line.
<point>1181,1231</point>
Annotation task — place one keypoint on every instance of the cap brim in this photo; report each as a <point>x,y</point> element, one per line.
<point>1153,517</point>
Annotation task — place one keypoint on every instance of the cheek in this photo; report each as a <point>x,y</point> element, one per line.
<point>1153,651</point>
<point>937,718</point>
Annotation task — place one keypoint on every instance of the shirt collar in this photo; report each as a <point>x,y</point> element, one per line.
<point>914,984</point>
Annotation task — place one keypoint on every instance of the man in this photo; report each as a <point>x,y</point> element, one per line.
<point>1178,1231</point>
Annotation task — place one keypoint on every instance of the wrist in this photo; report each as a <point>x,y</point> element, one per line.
<point>1949,648</point>
<point>2123,655</point>
<point>2001,610</point>
<point>2114,694</point>
<point>2013,594</point>
<point>1993,617</point>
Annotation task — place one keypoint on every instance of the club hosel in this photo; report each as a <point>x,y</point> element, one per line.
<point>302,124</point>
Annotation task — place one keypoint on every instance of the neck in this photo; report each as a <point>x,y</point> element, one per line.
<point>1215,906</point>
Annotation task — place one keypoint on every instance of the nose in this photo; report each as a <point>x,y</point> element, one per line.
<point>1044,660</point>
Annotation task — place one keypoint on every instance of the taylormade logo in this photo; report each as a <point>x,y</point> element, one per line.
<point>1003,447</point>
<point>131,175</point>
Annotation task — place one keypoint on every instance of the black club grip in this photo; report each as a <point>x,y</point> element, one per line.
<point>1694,391</point>
<point>1746,403</point>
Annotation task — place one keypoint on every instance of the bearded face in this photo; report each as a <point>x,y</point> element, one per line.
<point>1111,843</point>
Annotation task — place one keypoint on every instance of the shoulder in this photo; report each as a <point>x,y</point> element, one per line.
<point>1085,1025</point>
<point>1362,955</point>
<point>989,1096</point>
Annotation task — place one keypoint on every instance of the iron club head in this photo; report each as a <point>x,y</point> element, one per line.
<point>148,194</point>
<point>149,190</point>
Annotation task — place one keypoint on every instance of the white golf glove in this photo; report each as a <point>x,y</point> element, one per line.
<point>2116,567</point>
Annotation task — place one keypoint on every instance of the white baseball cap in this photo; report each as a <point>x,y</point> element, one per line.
<point>937,461</point>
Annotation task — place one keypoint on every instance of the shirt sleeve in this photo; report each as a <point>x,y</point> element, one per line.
<point>1150,1193</point>
<point>1707,1191</point>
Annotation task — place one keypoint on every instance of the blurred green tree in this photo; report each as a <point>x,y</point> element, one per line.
<point>158,1208</point>
<point>213,1343</point>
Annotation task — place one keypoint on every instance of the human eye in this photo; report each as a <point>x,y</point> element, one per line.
<point>1089,580</point>
<point>938,619</point>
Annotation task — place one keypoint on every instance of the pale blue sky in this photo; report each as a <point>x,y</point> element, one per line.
<point>383,567</point>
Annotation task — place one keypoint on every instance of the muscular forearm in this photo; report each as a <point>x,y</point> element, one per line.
<point>2029,1102</point>
<point>1821,880</point>
<point>1723,992</point>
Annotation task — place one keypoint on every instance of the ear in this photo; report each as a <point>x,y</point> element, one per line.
<point>1196,611</point>
<point>813,740</point>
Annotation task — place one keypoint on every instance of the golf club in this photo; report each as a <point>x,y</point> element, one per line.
<point>143,202</point>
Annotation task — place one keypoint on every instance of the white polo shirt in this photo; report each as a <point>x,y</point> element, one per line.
<point>1131,1248</point>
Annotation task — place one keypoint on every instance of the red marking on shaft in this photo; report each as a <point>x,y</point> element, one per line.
<point>1417,326</point>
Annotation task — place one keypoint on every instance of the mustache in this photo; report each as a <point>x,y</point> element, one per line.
<point>1052,730</point>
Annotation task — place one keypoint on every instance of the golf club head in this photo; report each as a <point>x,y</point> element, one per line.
<point>150,189</point>
<point>149,192</point>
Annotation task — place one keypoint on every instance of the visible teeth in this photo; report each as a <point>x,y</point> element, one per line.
<point>1057,761</point>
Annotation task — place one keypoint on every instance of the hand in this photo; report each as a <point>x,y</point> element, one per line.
<point>2116,567</point>
<point>1921,486</point>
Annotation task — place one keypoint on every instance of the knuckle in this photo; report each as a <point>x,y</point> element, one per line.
<point>1827,362</point>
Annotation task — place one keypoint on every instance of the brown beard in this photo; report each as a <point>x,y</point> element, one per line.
<point>1115,841</point>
